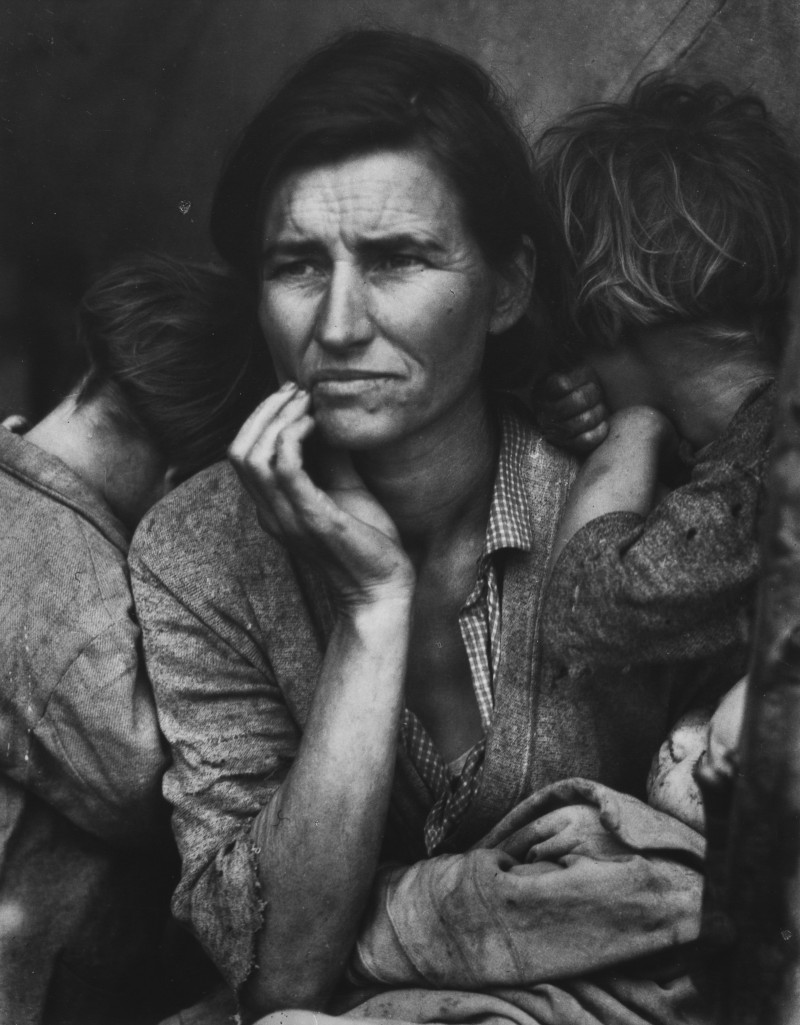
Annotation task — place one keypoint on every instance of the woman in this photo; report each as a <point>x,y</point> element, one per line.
<point>85,859</point>
<point>372,569</point>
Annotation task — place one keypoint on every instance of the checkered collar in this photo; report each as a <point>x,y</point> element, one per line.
<point>511,516</point>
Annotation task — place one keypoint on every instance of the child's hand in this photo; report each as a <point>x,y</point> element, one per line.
<point>571,411</point>
<point>719,765</point>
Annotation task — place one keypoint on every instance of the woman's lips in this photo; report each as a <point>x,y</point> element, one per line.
<point>348,383</point>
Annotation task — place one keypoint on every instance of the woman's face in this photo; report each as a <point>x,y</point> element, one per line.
<point>375,297</point>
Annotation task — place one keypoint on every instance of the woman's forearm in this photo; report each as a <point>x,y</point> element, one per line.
<point>319,838</point>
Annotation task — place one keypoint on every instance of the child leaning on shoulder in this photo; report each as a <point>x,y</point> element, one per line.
<point>679,212</point>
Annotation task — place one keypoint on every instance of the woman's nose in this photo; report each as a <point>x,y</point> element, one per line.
<point>343,316</point>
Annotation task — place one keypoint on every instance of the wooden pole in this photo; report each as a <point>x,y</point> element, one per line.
<point>759,982</point>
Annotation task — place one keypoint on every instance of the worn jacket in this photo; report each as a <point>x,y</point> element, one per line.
<point>679,584</point>
<point>82,826</point>
<point>235,630</point>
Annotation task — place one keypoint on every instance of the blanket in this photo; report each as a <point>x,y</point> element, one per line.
<point>581,907</point>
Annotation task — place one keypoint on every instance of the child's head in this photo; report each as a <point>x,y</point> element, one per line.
<point>175,355</point>
<point>671,785</point>
<point>680,205</point>
<point>702,741</point>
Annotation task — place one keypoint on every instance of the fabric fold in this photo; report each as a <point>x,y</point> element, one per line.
<point>576,880</point>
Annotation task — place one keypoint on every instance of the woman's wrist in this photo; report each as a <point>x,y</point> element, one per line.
<point>385,609</point>
<point>371,592</point>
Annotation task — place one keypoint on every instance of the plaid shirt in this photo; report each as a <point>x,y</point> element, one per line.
<point>509,526</point>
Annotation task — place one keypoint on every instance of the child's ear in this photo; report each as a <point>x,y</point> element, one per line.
<point>514,288</point>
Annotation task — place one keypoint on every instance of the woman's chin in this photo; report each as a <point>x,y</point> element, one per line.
<point>356,431</point>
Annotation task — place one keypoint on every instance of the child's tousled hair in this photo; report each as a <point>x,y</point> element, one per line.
<point>679,205</point>
<point>174,349</point>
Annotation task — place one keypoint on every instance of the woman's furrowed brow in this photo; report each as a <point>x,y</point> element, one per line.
<point>393,242</point>
<point>293,247</point>
<point>401,240</point>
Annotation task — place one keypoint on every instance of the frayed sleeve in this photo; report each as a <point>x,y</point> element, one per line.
<point>232,740</point>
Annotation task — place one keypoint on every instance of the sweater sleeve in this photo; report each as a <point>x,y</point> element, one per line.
<point>231,736</point>
<point>678,585</point>
<point>78,725</point>
<point>96,753</point>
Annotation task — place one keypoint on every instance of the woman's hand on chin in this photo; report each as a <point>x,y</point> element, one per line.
<point>341,528</point>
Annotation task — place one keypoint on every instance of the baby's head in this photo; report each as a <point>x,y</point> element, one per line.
<point>671,785</point>
<point>679,206</point>
<point>705,741</point>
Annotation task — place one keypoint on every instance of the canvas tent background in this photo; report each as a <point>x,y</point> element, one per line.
<point>116,115</point>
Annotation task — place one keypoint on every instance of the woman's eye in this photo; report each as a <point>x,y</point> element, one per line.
<point>294,269</point>
<point>400,261</point>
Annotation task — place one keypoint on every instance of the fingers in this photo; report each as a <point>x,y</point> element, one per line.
<point>573,425</point>
<point>269,411</point>
<point>580,410</point>
<point>571,410</point>
<point>339,526</point>
<point>727,721</point>
<point>557,386</point>
<point>587,442</point>
<point>716,768</point>
<point>267,454</point>
<point>561,820</point>
<point>580,433</point>
<point>277,453</point>
<point>284,481</point>
<point>574,829</point>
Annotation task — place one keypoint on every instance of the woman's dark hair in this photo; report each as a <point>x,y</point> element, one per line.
<point>373,90</point>
<point>678,205</point>
<point>175,349</point>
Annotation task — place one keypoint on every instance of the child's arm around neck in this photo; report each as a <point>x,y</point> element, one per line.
<point>661,377</point>
<point>674,581</point>
<point>621,475</point>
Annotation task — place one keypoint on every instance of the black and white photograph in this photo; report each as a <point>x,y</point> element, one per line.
<point>399,512</point>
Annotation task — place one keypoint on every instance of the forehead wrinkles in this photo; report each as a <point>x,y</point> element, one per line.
<point>363,199</point>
